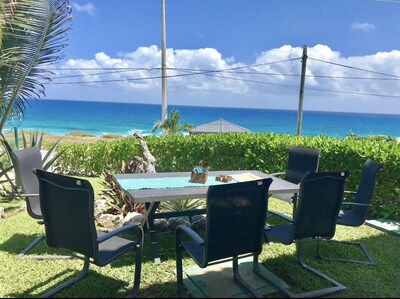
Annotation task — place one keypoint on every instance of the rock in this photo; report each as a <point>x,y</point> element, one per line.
<point>161,225</point>
<point>175,221</point>
<point>199,222</point>
<point>133,218</point>
<point>109,221</point>
<point>2,213</point>
<point>99,207</point>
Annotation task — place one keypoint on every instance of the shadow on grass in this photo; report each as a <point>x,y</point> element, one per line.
<point>18,242</point>
<point>360,279</point>
<point>92,285</point>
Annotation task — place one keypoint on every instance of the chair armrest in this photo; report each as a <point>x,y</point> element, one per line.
<point>280,215</point>
<point>190,232</point>
<point>277,173</point>
<point>121,229</point>
<point>349,203</point>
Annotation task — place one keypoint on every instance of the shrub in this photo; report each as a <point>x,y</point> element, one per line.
<point>267,152</point>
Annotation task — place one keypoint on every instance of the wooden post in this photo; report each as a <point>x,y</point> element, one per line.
<point>301,94</point>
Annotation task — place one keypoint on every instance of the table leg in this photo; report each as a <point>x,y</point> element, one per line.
<point>148,220</point>
<point>294,203</point>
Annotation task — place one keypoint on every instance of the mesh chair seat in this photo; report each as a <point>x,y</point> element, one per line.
<point>111,249</point>
<point>284,233</point>
<point>348,219</point>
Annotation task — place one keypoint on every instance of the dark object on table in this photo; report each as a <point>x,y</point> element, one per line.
<point>68,213</point>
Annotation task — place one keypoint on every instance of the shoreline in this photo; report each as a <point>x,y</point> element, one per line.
<point>74,137</point>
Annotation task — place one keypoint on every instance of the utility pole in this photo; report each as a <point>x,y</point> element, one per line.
<point>164,108</point>
<point>301,94</point>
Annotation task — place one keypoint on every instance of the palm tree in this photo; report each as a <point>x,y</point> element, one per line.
<point>172,125</point>
<point>32,35</point>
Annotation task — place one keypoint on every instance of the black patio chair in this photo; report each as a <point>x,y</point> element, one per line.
<point>318,205</point>
<point>68,212</point>
<point>236,215</point>
<point>24,161</point>
<point>357,210</point>
<point>300,161</point>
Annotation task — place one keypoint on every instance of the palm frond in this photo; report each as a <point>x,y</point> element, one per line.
<point>33,33</point>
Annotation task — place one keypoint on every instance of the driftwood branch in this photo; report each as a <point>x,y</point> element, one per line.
<point>148,163</point>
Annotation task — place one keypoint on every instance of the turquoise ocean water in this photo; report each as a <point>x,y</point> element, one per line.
<point>60,117</point>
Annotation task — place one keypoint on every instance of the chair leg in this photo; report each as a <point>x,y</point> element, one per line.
<point>370,259</point>
<point>138,271</point>
<point>321,292</point>
<point>238,278</point>
<point>284,289</point>
<point>66,284</point>
<point>24,253</point>
<point>275,281</point>
<point>179,271</point>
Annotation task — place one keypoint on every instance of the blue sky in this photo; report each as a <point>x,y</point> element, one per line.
<point>235,53</point>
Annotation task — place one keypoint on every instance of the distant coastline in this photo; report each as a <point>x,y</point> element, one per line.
<point>60,117</point>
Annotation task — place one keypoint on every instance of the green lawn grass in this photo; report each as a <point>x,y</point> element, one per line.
<point>31,278</point>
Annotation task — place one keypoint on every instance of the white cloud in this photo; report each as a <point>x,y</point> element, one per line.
<point>364,27</point>
<point>88,7</point>
<point>204,77</point>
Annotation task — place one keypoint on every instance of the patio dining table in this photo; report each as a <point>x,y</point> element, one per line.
<point>154,188</point>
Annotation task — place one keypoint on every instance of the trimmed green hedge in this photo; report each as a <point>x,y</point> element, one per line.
<point>267,152</point>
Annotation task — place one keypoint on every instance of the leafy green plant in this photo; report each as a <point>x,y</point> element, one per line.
<point>32,35</point>
<point>267,152</point>
<point>9,189</point>
<point>182,204</point>
<point>116,198</point>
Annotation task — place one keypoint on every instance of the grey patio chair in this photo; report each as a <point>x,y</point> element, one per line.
<point>318,205</point>
<point>236,215</point>
<point>355,212</point>
<point>300,160</point>
<point>24,161</point>
<point>68,212</point>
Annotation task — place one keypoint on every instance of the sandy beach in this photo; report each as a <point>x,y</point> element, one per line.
<point>76,137</point>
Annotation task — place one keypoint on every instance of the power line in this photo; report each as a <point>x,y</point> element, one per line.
<point>355,68</point>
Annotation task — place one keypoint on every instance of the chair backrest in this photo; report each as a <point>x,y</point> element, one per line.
<point>68,212</point>
<point>365,189</point>
<point>236,216</point>
<point>301,160</point>
<point>25,160</point>
<point>318,204</point>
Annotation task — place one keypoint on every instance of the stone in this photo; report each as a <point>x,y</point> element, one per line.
<point>109,221</point>
<point>161,225</point>
<point>199,222</point>
<point>133,218</point>
<point>173,222</point>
